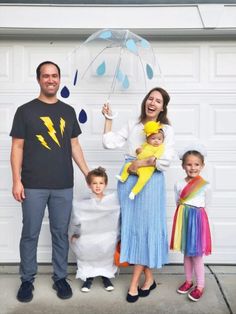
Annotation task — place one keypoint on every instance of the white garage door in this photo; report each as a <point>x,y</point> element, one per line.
<point>201,79</point>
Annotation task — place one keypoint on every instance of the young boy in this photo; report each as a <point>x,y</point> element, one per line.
<point>94,232</point>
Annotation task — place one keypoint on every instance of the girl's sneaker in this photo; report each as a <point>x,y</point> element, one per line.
<point>87,285</point>
<point>107,284</point>
<point>195,294</point>
<point>185,287</point>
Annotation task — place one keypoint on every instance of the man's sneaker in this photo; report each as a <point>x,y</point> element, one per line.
<point>63,289</point>
<point>87,285</point>
<point>25,292</point>
<point>195,294</point>
<point>185,287</point>
<point>107,284</point>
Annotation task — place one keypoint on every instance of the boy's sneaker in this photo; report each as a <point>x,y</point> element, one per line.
<point>107,284</point>
<point>25,292</point>
<point>195,294</point>
<point>185,287</point>
<point>63,289</point>
<point>87,285</point>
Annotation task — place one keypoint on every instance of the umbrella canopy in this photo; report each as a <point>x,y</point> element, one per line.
<point>114,61</point>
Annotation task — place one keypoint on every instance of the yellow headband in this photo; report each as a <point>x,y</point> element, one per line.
<point>152,127</point>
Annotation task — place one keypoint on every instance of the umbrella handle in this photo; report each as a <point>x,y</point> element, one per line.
<point>111,117</point>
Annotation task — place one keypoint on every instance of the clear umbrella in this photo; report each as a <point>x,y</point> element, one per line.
<point>114,61</point>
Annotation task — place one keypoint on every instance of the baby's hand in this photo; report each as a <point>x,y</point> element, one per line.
<point>139,150</point>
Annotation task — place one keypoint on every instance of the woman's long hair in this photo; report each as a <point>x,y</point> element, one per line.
<point>162,117</point>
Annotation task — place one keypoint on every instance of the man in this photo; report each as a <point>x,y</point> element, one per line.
<point>44,141</point>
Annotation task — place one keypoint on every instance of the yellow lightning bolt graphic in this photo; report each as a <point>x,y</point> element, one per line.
<point>62,126</point>
<point>51,131</point>
<point>42,141</point>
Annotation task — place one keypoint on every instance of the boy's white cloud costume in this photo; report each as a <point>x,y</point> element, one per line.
<point>97,224</point>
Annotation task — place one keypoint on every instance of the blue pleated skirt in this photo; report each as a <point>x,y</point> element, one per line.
<point>144,238</point>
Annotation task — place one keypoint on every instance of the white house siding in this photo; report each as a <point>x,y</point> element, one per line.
<point>198,72</point>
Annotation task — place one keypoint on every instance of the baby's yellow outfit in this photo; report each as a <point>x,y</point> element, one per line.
<point>144,173</point>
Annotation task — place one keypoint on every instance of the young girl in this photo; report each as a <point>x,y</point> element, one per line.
<point>191,232</point>
<point>94,232</point>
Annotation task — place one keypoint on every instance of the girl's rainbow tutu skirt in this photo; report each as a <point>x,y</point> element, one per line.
<point>191,231</point>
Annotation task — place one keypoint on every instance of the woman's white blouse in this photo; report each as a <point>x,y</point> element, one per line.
<point>133,136</point>
<point>202,199</point>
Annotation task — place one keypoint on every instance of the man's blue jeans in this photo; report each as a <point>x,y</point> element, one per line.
<point>59,203</point>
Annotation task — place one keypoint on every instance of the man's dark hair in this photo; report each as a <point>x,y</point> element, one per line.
<point>46,62</point>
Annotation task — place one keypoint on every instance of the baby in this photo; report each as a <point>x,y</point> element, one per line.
<point>152,147</point>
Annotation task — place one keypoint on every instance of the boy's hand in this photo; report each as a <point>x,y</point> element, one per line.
<point>74,238</point>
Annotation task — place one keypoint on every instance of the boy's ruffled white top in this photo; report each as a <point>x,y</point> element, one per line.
<point>193,146</point>
<point>97,224</point>
<point>133,136</point>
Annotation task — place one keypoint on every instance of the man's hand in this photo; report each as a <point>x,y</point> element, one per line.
<point>18,191</point>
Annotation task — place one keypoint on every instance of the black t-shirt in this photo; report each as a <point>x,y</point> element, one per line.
<point>47,130</point>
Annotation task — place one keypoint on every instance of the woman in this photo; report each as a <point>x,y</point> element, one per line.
<point>144,240</point>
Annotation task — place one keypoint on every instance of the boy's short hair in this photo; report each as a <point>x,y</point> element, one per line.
<point>97,172</point>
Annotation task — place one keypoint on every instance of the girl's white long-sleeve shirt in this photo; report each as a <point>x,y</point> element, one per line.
<point>132,134</point>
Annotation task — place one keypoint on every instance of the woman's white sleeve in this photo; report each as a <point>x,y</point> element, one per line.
<point>112,140</point>
<point>164,161</point>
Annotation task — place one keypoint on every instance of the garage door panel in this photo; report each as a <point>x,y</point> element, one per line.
<point>222,63</point>
<point>179,63</point>
<point>223,119</point>
<point>222,232</point>
<point>190,114</point>
<point>6,66</point>
<point>224,177</point>
<point>9,234</point>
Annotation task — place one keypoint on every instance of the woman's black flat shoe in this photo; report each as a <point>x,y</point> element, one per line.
<point>145,293</point>
<point>132,298</point>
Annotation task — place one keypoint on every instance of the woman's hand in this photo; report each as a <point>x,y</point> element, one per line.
<point>151,161</point>
<point>106,110</point>
<point>134,166</point>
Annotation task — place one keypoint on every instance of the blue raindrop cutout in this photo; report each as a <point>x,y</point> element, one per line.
<point>131,45</point>
<point>65,93</point>
<point>119,75</point>
<point>101,69</point>
<point>75,78</point>
<point>149,71</point>
<point>82,116</point>
<point>105,35</point>
<point>145,43</point>
<point>125,83</point>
